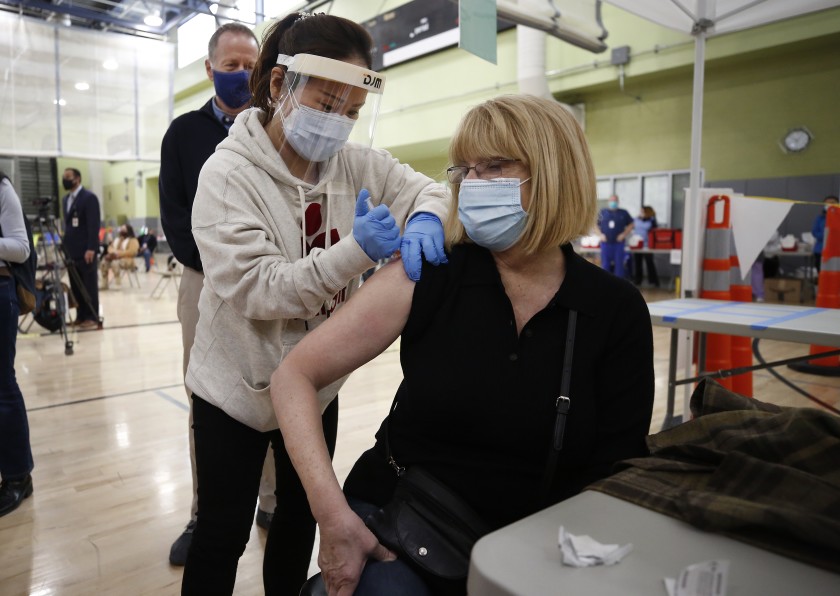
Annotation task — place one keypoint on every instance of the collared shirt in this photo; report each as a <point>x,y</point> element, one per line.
<point>477,403</point>
<point>226,120</point>
<point>71,198</point>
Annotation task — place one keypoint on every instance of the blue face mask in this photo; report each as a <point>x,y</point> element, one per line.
<point>232,87</point>
<point>316,135</point>
<point>612,205</point>
<point>491,211</point>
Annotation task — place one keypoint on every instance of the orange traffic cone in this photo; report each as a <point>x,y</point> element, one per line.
<point>740,289</point>
<point>716,266</point>
<point>828,294</point>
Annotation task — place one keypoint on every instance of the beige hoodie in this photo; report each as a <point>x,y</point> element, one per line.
<point>261,292</point>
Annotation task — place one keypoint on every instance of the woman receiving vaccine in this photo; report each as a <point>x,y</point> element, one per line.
<point>484,341</point>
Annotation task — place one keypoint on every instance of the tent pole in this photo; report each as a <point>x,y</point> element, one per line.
<point>692,214</point>
<point>692,251</point>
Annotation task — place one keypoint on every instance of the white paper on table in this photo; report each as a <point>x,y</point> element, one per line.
<point>708,578</point>
<point>584,551</point>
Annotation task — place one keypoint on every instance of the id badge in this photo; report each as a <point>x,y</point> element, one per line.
<point>75,222</point>
<point>612,224</point>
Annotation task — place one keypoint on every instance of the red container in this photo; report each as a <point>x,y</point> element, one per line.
<point>665,238</point>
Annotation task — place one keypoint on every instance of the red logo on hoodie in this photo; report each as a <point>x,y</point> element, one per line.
<point>315,230</point>
<point>316,236</point>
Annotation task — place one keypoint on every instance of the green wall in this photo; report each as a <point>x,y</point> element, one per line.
<point>750,102</point>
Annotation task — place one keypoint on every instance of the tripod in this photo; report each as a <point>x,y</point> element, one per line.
<point>51,308</point>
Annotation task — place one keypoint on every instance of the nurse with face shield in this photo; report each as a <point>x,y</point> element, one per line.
<point>290,210</point>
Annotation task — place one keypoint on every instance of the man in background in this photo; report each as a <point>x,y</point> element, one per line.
<point>80,208</point>
<point>615,225</point>
<point>232,52</point>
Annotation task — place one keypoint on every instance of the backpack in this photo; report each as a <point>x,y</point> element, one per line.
<point>25,272</point>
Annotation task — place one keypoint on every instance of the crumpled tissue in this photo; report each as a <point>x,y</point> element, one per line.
<point>584,551</point>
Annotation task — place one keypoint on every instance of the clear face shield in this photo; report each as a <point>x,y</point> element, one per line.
<point>324,103</point>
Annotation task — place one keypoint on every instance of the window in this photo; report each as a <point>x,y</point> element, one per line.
<point>664,191</point>
<point>193,37</point>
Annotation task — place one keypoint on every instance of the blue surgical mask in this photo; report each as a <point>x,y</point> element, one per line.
<point>232,87</point>
<point>316,135</point>
<point>612,205</point>
<point>491,211</point>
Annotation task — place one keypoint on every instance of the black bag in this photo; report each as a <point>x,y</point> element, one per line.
<point>24,273</point>
<point>429,524</point>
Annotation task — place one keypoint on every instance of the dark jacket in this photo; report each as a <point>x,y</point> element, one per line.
<point>85,214</point>
<point>189,141</point>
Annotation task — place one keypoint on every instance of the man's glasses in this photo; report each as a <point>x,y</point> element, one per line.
<point>486,170</point>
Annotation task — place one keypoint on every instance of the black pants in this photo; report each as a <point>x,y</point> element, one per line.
<point>653,278</point>
<point>229,458</point>
<point>88,274</point>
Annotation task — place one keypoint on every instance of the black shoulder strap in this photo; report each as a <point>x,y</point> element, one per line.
<point>562,406</point>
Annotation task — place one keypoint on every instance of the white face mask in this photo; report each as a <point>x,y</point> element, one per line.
<point>491,211</point>
<point>316,135</point>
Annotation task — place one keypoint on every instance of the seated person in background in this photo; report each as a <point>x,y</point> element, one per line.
<point>483,341</point>
<point>148,244</point>
<point>120,256</point>
<point>644,223</point>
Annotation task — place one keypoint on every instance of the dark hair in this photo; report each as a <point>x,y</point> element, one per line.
<point>76,172</point>
<point>129,231</point>
<point>831,197</point>
<point>235,28</point>
<point>319,34</point>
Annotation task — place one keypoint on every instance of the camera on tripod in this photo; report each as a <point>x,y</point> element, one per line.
<point>46,211</point>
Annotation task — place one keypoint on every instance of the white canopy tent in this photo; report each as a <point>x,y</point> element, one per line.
<point>702,19</point>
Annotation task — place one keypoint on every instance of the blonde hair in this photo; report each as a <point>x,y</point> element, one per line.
<point>547,139</point>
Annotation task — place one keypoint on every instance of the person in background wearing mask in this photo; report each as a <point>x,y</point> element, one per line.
<point>148,245</point>
<point>492,326</point>
<point>120,256</point>
<point>190,140</point>
<point>615,225</point>
<point>644,223</point>
<point>288,214</point>
<point>15,450</point>
<point>81,247</point>
<point>818,230</point>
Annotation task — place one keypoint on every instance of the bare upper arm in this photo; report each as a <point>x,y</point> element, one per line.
<point>359,331</point>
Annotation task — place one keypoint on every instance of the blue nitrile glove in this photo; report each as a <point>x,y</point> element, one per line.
<point>375,230</point>
<point>423,232</point>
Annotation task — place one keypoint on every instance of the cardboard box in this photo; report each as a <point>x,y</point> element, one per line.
<point>787,290</point>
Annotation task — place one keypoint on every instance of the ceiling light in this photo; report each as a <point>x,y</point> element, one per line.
<point>82,86</point>
<point>110,64</point>
<point>60,102</point>
<point>153,20</point>
<point>214,8</point>
<point>65,20</point>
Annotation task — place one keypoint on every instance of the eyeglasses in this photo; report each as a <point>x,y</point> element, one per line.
<point>486,170</point>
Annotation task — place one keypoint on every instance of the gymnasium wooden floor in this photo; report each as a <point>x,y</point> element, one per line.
<point>109,436</point>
